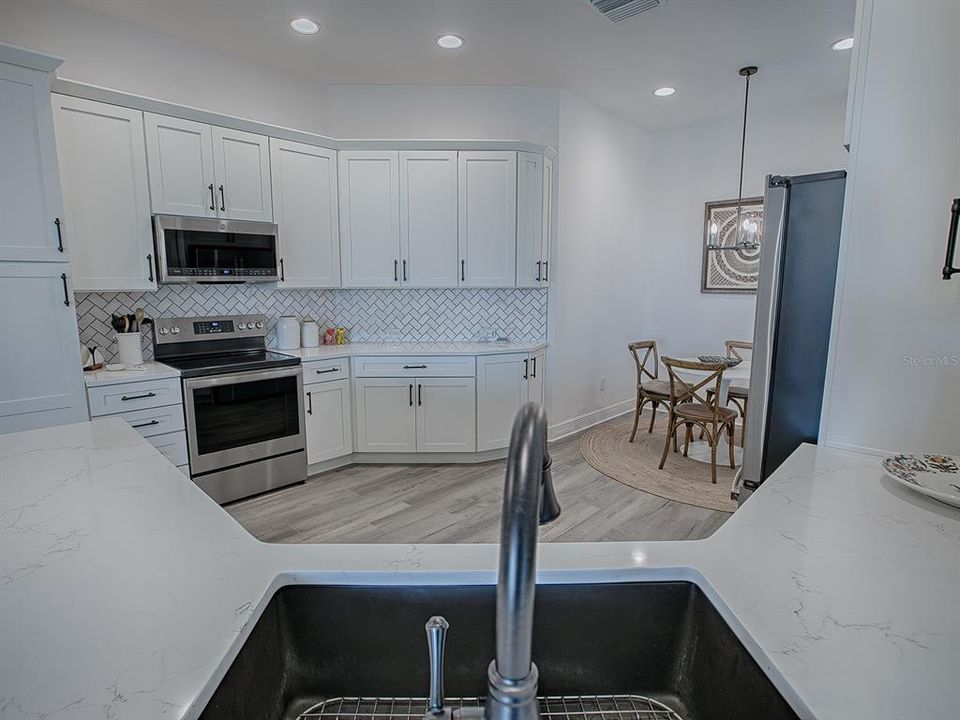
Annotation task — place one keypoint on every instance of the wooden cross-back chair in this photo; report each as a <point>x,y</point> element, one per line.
<point>696,403</point>
<point>650,388</point>
<point>738,394</point>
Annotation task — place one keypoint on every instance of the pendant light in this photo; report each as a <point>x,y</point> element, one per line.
<point>750,224</point>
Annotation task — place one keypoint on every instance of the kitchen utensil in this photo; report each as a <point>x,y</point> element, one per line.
<point>138,315</point>
<point>936,476</point>
<point>116,321</point>
<point>288,333</point>
<point>309,334</point>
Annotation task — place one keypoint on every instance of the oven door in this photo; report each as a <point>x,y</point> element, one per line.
<point>243,417</point>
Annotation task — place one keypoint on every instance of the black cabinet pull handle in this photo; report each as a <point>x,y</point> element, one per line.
<point>56,221</point>
<point>414,367</point>
<point>328,370</point>
<point>66,293</point>
<point>534,367</point>
<point>213,199</point>
<point>539,270</point>
<point>150,267</point>
<point>138,397</point>
<point>281,270</point>
<point>948,269</point>
<point>526,369</point>
<point>146,424</point>
<point>463,270</point>
<point>395,278</point>
<point>546,270</point>
<point>404,270</point>
<point>411,395</point>
<point>419,394</point>
<point>309,403</point>
<point>223,203</point>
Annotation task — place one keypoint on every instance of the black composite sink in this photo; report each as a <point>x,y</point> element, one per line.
<point>663,640</point>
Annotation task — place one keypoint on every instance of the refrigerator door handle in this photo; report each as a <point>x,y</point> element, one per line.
<point>775,202</point>
<point>948,269</point>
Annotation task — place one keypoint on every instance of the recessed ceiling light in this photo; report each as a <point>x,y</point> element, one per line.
<point>450,42</point>
<point>844,44</point>
<point>665,91</point>
<point>305,26</point>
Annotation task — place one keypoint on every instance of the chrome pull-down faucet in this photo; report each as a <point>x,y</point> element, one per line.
<point>529,500</point>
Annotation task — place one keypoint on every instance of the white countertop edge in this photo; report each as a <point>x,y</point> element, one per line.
<point>366,349</point>
<point>150,371</point>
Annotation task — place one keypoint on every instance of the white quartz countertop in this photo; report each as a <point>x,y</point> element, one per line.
<point>125,592</point>
<point>147,371</point>
<point>324,352</point>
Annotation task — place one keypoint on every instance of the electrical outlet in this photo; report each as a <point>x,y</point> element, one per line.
<point>603,384</point>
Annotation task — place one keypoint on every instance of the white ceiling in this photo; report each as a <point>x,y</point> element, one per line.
<point>695,45</point>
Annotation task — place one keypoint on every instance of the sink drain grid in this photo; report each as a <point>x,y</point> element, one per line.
<point>554,707</point>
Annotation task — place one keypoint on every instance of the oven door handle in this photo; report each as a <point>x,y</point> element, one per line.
<point>241,377</point>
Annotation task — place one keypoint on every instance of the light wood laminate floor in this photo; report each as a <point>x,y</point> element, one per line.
<point>461,504</point>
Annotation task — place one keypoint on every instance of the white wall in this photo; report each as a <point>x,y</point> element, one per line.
<point>596,300</point>
<point>443,111</point>
<point>695,165</point>
<point>122,56</point>
<point>894,375</point>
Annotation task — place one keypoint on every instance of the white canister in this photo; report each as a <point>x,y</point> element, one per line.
<point>288,333</point>
<point>129,349</point>
<point>309,334</point>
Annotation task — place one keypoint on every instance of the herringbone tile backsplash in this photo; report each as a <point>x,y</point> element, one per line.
<point>368,315</point>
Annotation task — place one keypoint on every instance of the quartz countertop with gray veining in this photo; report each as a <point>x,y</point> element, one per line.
<point>324,352</point>
<point>125,592</point>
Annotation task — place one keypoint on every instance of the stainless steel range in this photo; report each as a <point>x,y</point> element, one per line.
<point>242,402</point>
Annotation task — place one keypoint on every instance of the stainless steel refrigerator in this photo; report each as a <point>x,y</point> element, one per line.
<point>798,272</point>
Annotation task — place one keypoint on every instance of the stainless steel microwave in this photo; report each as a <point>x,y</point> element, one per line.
<point>214,250</point>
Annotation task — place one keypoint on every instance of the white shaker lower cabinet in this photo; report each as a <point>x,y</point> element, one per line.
<point>328,420</point>
<point>306,212</point>
<point>386,415</point>
<point>535,374</point>
<point>103,166</point>
<point>446,414</point>
<point>42,381</point>
<point>502,389</point>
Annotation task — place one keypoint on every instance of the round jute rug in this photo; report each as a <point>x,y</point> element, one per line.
<point>607,448</point>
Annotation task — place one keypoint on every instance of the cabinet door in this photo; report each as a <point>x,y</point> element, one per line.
<point>180,166</point>
<point>529,219</point>
<point>241,166</point>
<point>370,218</point>
<point>487,189</point>
<point>386,415</point>
<point>304,180</point>
<point>40,354</point>
<point>446,415</point>
<point>535,377</point>
<point>328,426</point>
<point>501,392</point>
<point>103,163</point>
<point>30,203</point>
<point>428,219</point>
<point>546,225</point>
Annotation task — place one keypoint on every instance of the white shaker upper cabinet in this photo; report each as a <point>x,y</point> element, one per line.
<point>529,219</point>
<point>180,163</point>
<point>106,200</point>
<point>42,380</point>
<point>241,166</point>
<point>30,203</point>
<point>428,219</point>
<point>304,179</point>
<point>546,225</point>
<point>370,218</point>
<point>488,219</point>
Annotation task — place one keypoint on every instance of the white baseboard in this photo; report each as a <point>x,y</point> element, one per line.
<point>576,425</point>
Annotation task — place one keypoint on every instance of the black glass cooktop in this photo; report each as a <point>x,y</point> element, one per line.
<point>220,364</point>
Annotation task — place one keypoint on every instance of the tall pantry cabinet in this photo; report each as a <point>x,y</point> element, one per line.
<point>42,382</point>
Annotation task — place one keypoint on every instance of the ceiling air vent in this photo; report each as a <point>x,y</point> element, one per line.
<point>617,10</point>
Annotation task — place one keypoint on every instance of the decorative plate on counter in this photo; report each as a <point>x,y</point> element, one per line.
<point>937,476</point>
<point>729,362</point>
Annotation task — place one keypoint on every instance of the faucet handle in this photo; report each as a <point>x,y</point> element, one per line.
<point>436,628</point>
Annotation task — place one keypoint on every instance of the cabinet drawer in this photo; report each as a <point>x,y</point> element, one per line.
<point>111,399</point>
<point>156,421</point>
<point>324,370</point>
<point>173,446</point>
<point>414,366</point>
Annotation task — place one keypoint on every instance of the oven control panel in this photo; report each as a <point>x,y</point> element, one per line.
<point>170,330</point>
